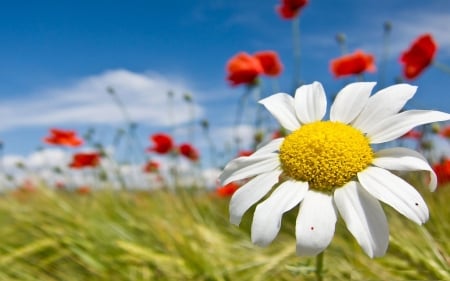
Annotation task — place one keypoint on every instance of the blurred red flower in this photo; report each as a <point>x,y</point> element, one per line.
<point>63,138</point>
<point>245,153</point>
<point>445,132</point>
<point>227,190</point>
<point>85,159</point>
<point>442,171</point>
<point>289,9</point>
<point>419,56</point>
<point>413,134</point>
<point>163,143</point>
<point>83,190</point>
<point>189,152</point>
<point>28,185</point>
<point>151,167</point>
<point>270,62</point>
<point>352,64</point>
<point>243,69</point>
<point>280,133</point>
<point>60,185</point>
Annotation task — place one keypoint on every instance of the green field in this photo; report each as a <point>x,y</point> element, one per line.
<point>186,235</point>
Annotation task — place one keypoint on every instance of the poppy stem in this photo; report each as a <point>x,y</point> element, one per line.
<point>443,67</point>
<point>170,105</point>
<point>319,266</point>
<point>131,126</point>
<point>342,42</point>
<point>212,147</point>
<point>387,27</point>
<point>296,45</point>
<point>188,99</point>
<point>258,126</point>
<point>239,113</point>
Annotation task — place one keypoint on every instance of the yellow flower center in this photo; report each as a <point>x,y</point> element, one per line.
<point>325,154</point>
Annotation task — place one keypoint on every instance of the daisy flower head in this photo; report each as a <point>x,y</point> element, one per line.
<point>328,167</point>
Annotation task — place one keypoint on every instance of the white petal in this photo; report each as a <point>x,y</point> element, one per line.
<point>395,192</point>
<point>248,166</point>
<point>404,159</point>
<point>250,193</point>
<point>315,224</point>
<point>281,106</point>
<point>310,103</point>
<point>383,104</point>
<point>272,146</point>
<point>267,217</point>
<point>397,125</point>
<point>350,101</point>
<point>364,218</point>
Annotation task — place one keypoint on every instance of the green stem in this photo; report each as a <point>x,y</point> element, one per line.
<point>275,86</point>
<point>258,108</point>
<point>319,266</point>
<point>258,125</point>
<point>443,67</point>
<point>360,78</point>
<point>212,148</point>
<point>296,45</point>
<point>170,105</point>
<point>384,56</point>
<point>132,138</point>
<point>342,42</point>
<point>239,113</point>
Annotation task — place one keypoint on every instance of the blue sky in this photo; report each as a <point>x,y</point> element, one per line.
<point>58,57</point>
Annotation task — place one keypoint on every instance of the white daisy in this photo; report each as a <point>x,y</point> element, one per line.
<point>329,167</point>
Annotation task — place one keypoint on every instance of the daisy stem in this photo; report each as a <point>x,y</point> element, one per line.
<point>443,67</point>
<point>319,266</point>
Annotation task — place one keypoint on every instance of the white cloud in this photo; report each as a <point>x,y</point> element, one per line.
<point>228,134</point>
<point>38,167</point>
<point>86,101</point>
<point>409,26</point>
<point>51,157</point>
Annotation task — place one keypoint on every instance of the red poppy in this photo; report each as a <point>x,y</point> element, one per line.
<point>227,190</point>
<point>163,143</point>
<point>83,190</point>
<point>63,138</point>
<point>413,134</point>
<point>85,159</point>
<point>280,133</point>
<point>442,171</point>
<point>445,132</point>
<point>151,167</point>
<point>245,153</point>
<point>60,185</point>
<point>28,185</point>
<point>189,151</point>
<point>289,9</point>
<point>243,69</point>
<point>270,62</point>
<point>352,64</point>
<point>419,56</point>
